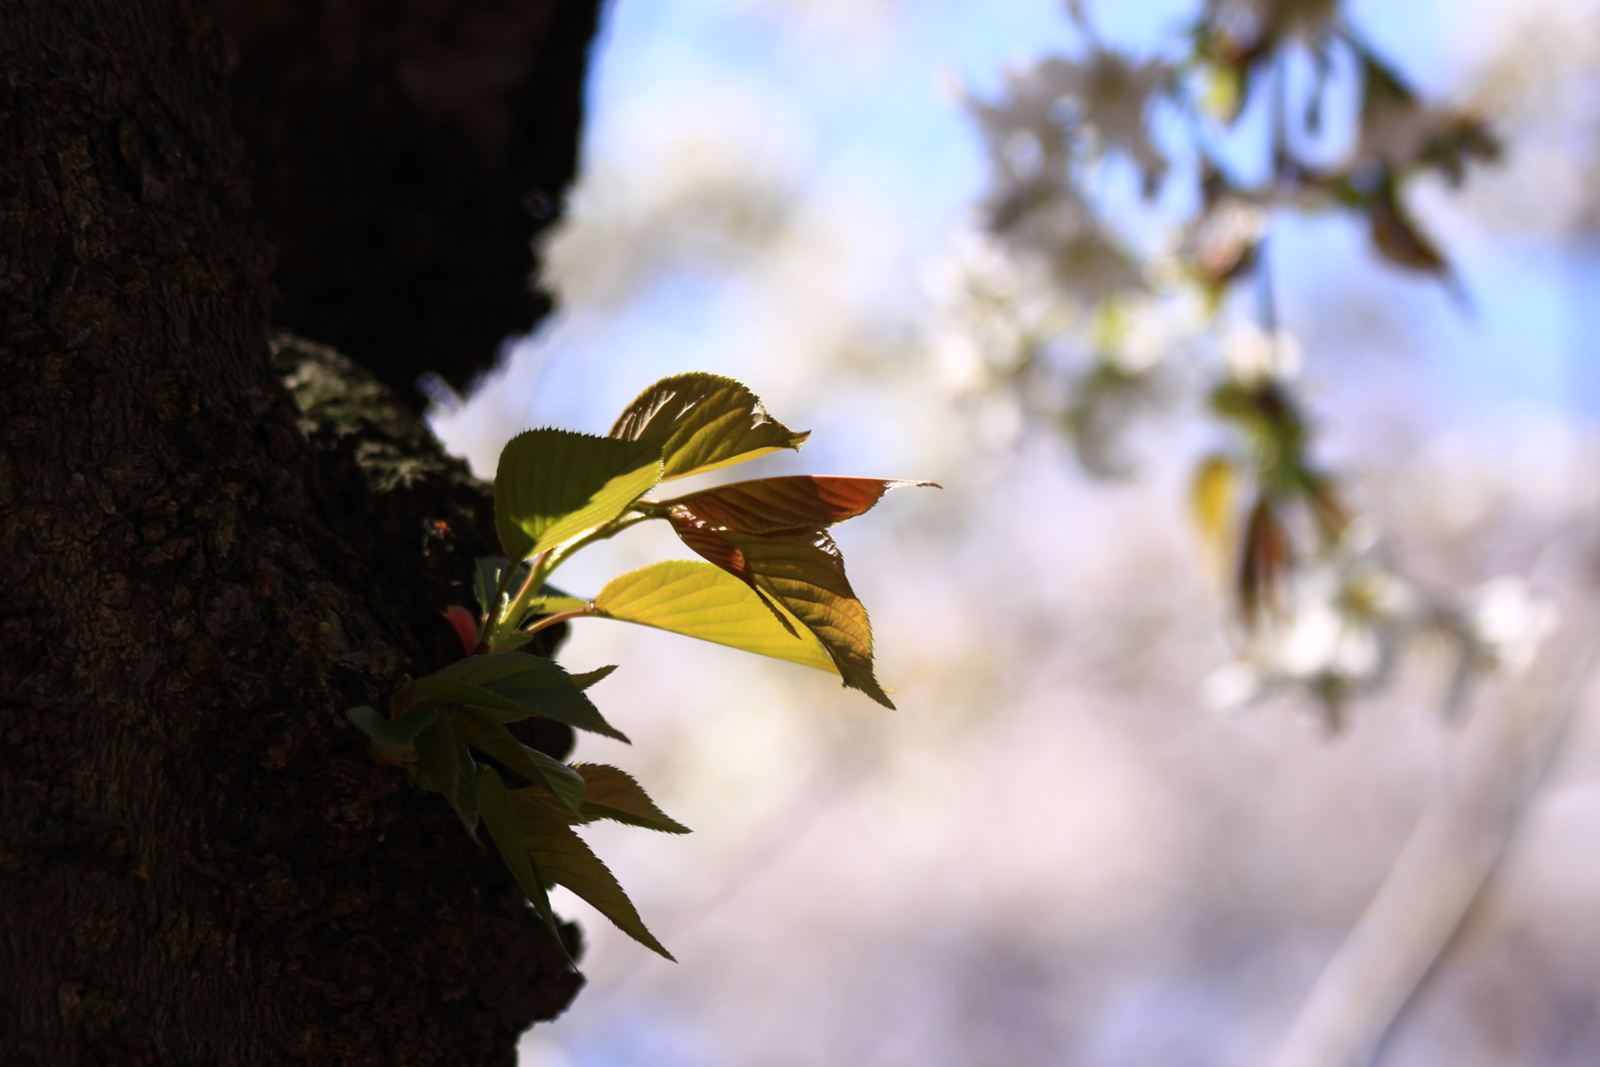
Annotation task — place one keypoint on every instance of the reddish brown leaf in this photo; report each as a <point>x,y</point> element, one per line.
<point>1399,239</point>
<point>716,545</point>
<point>786,505</point>
<point>1264,563</point>
<point>803,574</point>
<point>465,626</point>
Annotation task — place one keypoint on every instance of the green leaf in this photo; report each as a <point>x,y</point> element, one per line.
<point>515,686</point>
<point>554,485</point>
<point>701,422</point>
<point>495,741</point>
<point>392,734</point>
<point>438,765</point>
<point>506,833</point>
<point>486,573</point>
<point>466,801</point>
<point>786,505</point>
<point>562,857</point>
<point>609,793</point>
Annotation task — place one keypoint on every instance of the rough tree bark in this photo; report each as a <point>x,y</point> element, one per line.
<point>201,566</point>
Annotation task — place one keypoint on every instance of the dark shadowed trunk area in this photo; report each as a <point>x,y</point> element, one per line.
<point>214,538</point>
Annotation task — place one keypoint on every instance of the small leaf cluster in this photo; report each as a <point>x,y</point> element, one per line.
<point>770,581</point>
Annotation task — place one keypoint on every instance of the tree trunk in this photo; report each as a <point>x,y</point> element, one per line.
<point>200,568</point>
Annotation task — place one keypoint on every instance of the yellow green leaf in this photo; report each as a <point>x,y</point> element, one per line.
<point>700,422</point>
<point>703,601</point>
<point>554,485</point>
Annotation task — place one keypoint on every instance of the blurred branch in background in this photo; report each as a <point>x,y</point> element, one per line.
<point>1498,765</point>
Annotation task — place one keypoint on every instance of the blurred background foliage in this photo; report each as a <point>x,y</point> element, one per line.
<point>1249,341</point>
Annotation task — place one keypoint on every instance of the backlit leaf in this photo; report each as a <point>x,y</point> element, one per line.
<point>514,686</point>
<point>796,576</point>
<point>700,600</point>
<point>609,793</point>
<point>495,741</point>
<point>563,858</point>
<point>716,545</point>
<point>788,504</point>
<point>804,573</point>
<point>554,485</point>
<point>801,582</point>
<point>700,422</point>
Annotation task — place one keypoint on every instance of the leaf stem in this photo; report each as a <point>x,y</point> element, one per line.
<point>545,563</point>
<point>559,617</point>
<point>602,533</point>
<point>531,582</point>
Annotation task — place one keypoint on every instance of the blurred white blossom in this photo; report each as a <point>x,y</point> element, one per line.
<point>1254,356</point>
<point>1507,623</point>
<point>1344,625</point>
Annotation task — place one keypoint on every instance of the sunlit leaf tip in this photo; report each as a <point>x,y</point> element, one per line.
<point>612,793</point>
<point>701,422</point>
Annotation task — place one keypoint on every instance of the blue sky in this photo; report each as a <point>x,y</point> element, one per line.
<point>876,96</point>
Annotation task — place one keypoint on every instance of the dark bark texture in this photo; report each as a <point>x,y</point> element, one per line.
<point>201,567</point>
<point>404,154</point>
